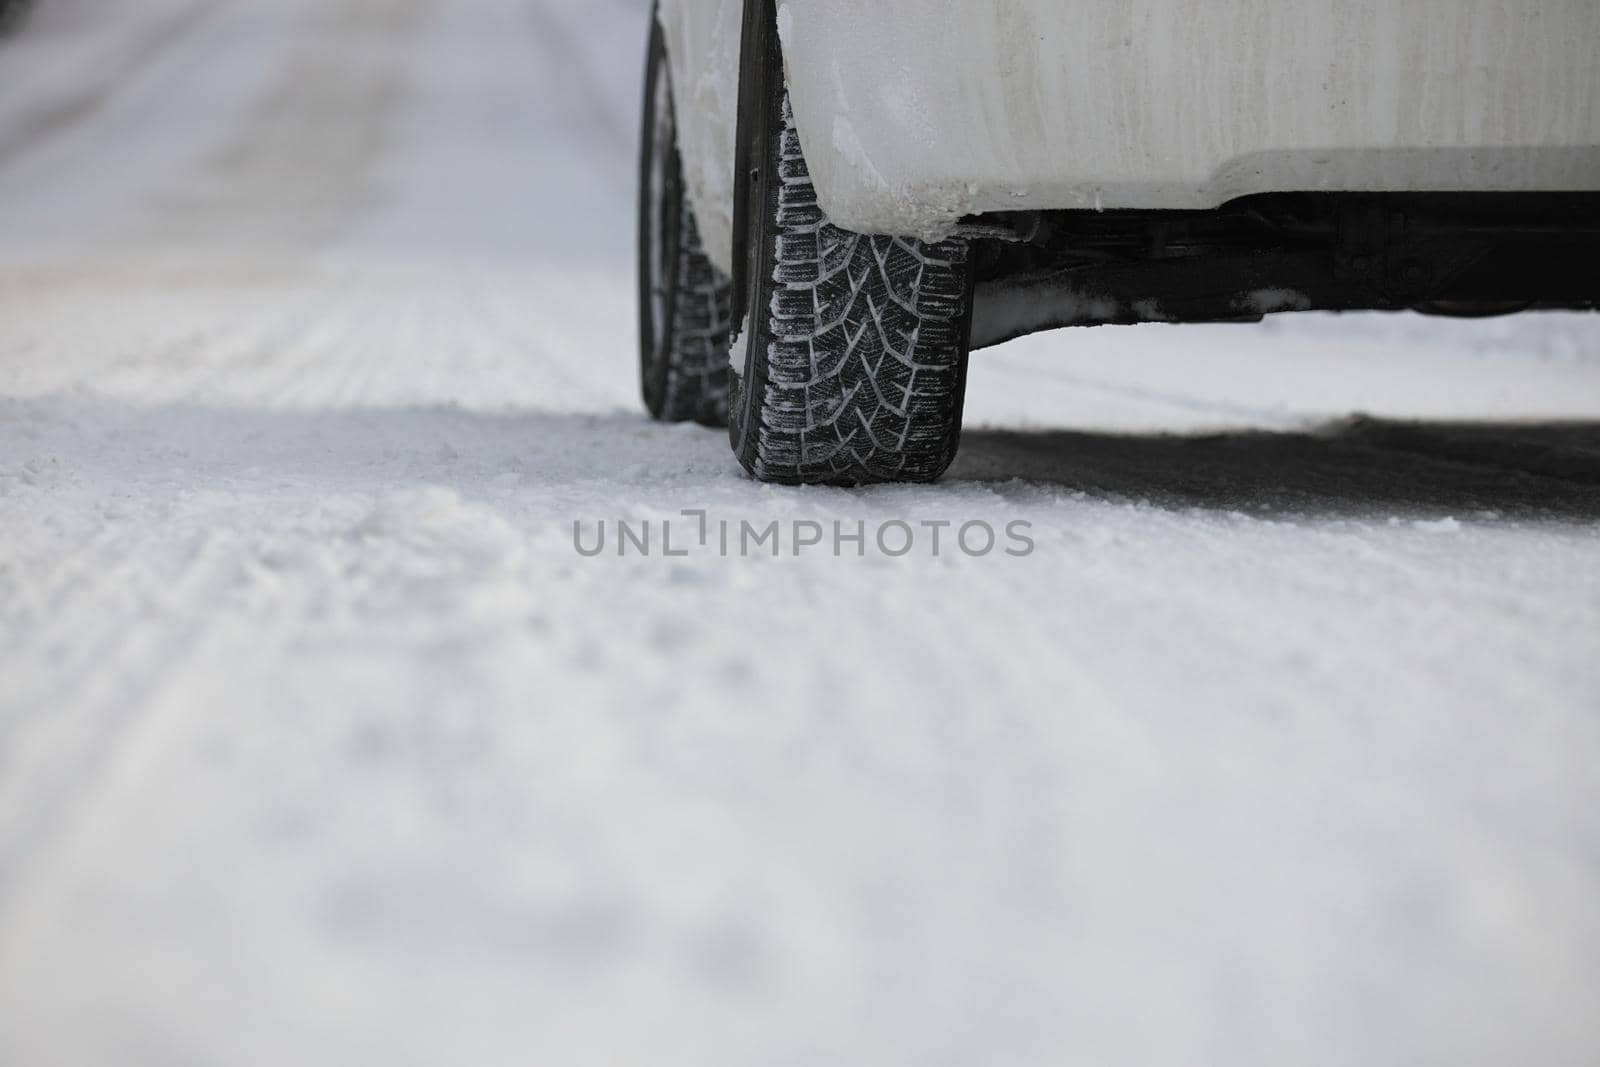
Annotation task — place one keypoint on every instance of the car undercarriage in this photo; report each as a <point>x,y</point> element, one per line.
<point>1463,254</point>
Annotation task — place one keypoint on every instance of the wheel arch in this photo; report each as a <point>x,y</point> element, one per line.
<point>760,58</point>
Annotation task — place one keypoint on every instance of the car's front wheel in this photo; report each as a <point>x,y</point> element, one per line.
<point>853,357</point>
<point>684,300</point>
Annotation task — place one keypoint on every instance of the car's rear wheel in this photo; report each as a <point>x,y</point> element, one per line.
<point>684,300</point>
<point>853,353</point>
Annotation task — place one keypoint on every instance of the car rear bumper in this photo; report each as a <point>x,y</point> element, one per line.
<point>915,113</point>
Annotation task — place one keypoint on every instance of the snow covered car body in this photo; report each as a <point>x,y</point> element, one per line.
<point>1118,161</point>
<point>916,113</point>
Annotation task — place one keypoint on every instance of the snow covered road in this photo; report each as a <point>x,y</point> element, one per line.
<point>321,743</point>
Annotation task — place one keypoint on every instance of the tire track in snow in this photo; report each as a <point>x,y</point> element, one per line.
<point>1333,470</point>
<point>1162,400</point>
<point>1533,452</point>
<point>303,164</point>
<point>580,391</point>
<point>59,769</point>
<point>106,668</point>
<point>130,414</point>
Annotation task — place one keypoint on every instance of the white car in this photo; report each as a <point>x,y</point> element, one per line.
<point>858,192</point>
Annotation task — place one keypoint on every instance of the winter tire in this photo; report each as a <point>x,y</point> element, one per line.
<point>684,300</point>
<point>854,354</point>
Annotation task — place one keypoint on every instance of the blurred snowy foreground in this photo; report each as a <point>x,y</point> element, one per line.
<point>321,744</point>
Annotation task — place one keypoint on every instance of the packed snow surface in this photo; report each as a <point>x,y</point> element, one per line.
<point>320,743</point>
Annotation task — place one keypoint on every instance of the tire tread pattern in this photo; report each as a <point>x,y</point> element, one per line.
<point>702,301</point>
<point>865,340</point>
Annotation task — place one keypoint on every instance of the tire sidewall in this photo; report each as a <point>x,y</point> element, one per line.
<point>659,229</point>
<point>761,76</point>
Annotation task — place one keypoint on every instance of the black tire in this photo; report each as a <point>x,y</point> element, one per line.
<point>684,301</point>
<point>855,365</point>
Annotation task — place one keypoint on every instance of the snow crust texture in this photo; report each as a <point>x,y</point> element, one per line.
<point>321,744</point>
